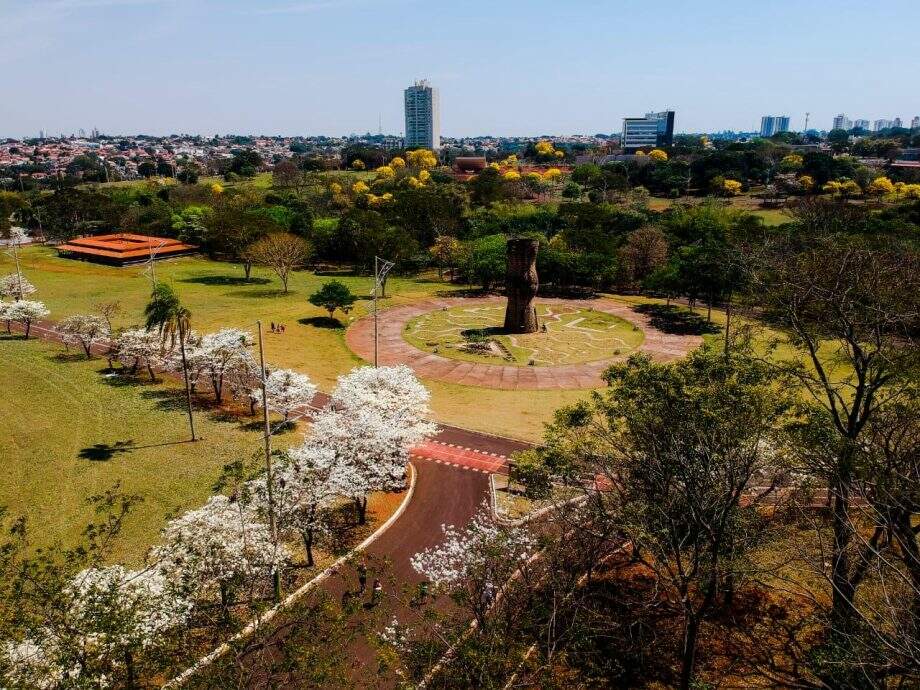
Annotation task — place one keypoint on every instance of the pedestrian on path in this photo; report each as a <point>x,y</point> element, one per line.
<point>362,578</point>
<point>376,593</point>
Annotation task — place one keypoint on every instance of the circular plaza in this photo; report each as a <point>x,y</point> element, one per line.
<point>461,340</point>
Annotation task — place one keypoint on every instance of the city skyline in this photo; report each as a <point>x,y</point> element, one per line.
<point>290,68</point>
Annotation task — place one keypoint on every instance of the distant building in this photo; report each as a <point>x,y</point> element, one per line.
<point>773,124</point>
<point>423,116</point>
<point>897,122</point>
<point>655,129</point>
<point>879,125</point>
<point>915,123</point>
<point>861,124</point>
<point>842,122</point>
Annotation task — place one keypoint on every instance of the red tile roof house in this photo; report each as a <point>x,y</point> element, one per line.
<point>124,248</point>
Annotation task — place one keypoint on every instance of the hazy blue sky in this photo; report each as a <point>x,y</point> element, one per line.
<point>503,66</point>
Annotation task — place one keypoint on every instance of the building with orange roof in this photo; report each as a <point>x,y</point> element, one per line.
<point>124,248</point>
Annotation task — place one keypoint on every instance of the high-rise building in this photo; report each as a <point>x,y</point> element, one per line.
<point>861,124</point>
<point>915,123</point>
<point>655,129</point>
<point>842,122</point>
<point>423,116</point>
<point>897,122</point>
<point>886,124</point>
<point>773,124</point>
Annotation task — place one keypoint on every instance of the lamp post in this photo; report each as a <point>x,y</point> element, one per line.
<point>381,269</point>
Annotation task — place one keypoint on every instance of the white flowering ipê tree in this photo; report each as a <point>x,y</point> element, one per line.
<point>220,356</point>
<point>286,390</point>
<point>474,563</point>
<point>26,312</point>
<point>221,545</point>
<point>107,617</point>
<point>16,286</point>
<point>84,330</point>
<point>305,486</point>
<point>140,347</point>
<point>121,612</point>
<point>394,393</point>
<point>34,664</point>
<point>370,454</point>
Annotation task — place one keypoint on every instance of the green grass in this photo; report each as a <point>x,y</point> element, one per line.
<point>473,333</point>
<point>65,423</point>
<point>217,296</point>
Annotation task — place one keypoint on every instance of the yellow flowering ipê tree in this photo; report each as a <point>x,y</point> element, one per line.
<point>414,182</point>
<point>216,188</point>
<point>424,176</point>
<point>658,155</point>
<point>397,163</point>
<point>357,164</point>
<point>360,187</point>
<point>552,175</point>
<point>559,154</point>
<point>494,165</point>
<point>422,158</point>
<point>880,186</point>
<point>807,182</point>
<point>791,163</point>
<point>385,172</point>
<point>512,175</point>
<point>376,201</point>
<point>731,187</point>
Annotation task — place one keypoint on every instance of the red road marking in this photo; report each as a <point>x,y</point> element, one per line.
<point>462,457</point>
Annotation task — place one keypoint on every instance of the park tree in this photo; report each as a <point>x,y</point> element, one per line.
<point>25,312</point>
<point>645,251</point>
<point>474,563</point>
<point>16,286</point>
<point>286,391</point>
<point>237,222</point>
<point>306,488</point>
<point>221,546</point>
<point>220,357</point>
<point>282,252</point>
<point>333,295</point>
<point>447,251</point>
<point>138,347</point>
<point>245,163</point>
<point>677,491</point>
<point>486,261</point>
<point>85,330</point>
<point>851,308</point>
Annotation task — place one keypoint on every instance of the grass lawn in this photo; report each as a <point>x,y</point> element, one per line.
<point>218,296</point>
<point>771,216</point>
<point>72,433</point>
<point>474,333</point>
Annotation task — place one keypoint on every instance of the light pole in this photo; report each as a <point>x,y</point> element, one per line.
<point>381,269</point>
<point>272,527</point>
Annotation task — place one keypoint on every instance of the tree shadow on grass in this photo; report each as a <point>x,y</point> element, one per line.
<point>173,399</point>
<point>102,452</point>
<point>225,280</point>
<point>259,294</point>
<point>68,357</point>
<point>321,322</point>
<point>676,320</point>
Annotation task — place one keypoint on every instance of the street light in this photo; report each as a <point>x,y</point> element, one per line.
<point>381,269</point>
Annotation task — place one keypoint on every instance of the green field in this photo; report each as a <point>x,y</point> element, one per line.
<point>573,335</point>
<point>72,432</point>
<point>218,296</point>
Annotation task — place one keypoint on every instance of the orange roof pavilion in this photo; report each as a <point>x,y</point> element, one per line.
<point>124,248</point>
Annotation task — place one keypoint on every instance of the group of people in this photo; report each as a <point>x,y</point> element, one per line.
<point>278,327</point>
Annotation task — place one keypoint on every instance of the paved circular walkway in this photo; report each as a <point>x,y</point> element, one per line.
<point>393,349</point>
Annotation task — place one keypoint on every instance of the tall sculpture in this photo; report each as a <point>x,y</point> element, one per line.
<point>521,285</point>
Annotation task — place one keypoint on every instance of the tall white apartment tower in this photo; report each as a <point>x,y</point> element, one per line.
<point>423,116</point>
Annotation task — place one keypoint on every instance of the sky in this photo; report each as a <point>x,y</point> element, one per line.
<point>503,67</point>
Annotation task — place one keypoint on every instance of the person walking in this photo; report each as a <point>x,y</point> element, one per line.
<point>376,593</point>
<point>362,578</point>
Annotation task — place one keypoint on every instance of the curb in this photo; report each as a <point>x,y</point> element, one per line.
<point>292,598</point>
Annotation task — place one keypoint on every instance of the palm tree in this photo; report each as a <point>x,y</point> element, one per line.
<point>166,313</point>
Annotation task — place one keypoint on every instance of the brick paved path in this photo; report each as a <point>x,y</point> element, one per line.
<point>393,348</point>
